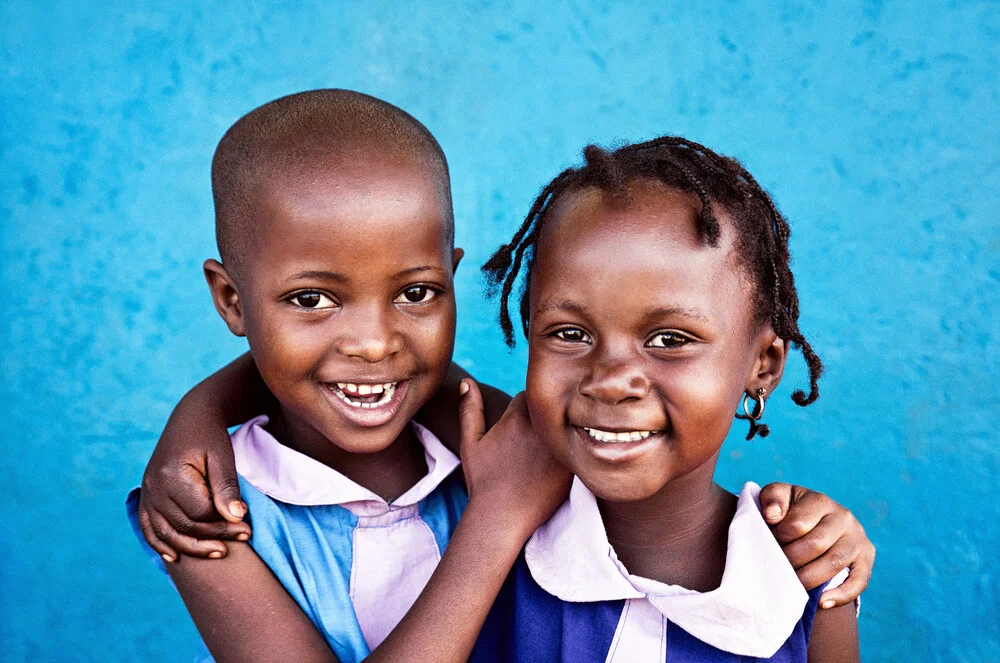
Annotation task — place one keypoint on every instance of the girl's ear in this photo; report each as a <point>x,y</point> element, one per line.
<point>769,365</point>
<point>225,296</point>
<point>456,257</point>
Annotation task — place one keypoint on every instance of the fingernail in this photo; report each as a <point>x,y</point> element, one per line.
<point>772,512</point>
<point>242,536</point>
<point>829,603</point>
<point>215,554</point>
<point>168,559</point>
<point>236,508</point>
<point>463,388</point>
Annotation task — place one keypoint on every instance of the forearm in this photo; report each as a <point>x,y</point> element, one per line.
<point>445,621</point>
<point>228,397</point>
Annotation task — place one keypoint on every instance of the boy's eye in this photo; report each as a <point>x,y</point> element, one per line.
<point>667,340</point>
<point>417,294</point>
<point>312,300</point>
<point>573,335</point>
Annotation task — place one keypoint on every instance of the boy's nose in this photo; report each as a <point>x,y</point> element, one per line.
<point>369,337</point>
<point>614,383</point>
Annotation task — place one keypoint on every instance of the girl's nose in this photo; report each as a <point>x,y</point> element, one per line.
<point>614,382</point>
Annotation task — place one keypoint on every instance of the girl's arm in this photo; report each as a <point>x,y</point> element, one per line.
<point>820,539</point>
<point>244,614</point>
<point>191,477</point>
<point>835,636</point>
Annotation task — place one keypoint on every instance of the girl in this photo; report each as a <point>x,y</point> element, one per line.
<point>658,300</point>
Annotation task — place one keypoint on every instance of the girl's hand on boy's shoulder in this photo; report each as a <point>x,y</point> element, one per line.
<point>820,539</point>
<point>185,488</point>
<point>507,468</point>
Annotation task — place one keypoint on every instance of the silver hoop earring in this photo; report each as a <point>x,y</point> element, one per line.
<point>758,406</point>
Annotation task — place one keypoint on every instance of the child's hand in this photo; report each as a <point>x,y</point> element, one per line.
<point>509,467</point>
<point>820,538</point>
<point>185,489</point>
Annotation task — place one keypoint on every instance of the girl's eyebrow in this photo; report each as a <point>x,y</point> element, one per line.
<point>668,311</point>
<point>562,305</point>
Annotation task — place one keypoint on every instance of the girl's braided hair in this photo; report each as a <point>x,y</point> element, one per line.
<point>762,232</point>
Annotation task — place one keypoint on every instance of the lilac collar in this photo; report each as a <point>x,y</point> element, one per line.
<point>294,478</point>
<point>751,613</point>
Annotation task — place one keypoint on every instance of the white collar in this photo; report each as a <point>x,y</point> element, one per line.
<point>294,478</point>
<point>751,613</point>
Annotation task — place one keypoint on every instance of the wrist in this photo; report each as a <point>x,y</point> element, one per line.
<point>501,518</point>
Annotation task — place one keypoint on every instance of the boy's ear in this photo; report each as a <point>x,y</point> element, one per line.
<point>769,365</point>
<point>225,296</point>
<point>456,257</point>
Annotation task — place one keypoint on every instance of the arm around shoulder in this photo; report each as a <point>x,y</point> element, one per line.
<point>835,636</point>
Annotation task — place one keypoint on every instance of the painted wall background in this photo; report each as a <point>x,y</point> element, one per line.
<point>873,123</point>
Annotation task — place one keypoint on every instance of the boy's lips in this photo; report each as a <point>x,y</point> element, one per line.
<point>617,446</point>
<point>367,404</point>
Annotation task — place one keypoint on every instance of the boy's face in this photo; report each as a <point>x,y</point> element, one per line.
<point>347,299</point>
<point>642,340</point>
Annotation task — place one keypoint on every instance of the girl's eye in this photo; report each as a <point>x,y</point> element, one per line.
<point>573,335</point>
<point>418,294</point>
<point>312,300</point>
<point>667,340</point>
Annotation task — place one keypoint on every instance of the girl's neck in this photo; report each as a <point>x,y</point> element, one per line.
<point>388,473</point>
<point>678,535</point>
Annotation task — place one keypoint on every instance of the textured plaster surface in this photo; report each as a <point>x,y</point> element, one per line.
<point>873,123</point>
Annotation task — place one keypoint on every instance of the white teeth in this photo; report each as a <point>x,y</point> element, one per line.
<point>385,391</point>
<point>616,438</point>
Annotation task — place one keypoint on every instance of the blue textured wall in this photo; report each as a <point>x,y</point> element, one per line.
<point>874,124</point>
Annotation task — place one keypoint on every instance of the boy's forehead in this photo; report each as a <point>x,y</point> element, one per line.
<point>348,190</point>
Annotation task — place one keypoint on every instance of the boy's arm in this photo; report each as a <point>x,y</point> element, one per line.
<point>835,636</point>
<point>191,476</point>
<point>820,539</point>
<point>244,614</point>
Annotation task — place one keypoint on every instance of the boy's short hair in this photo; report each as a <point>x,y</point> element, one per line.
<point>299,133</point>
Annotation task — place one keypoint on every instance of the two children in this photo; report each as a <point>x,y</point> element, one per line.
<point>335,229</point>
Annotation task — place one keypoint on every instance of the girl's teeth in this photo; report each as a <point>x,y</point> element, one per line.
<point>608,436</point>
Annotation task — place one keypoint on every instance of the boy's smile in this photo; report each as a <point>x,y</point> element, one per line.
<point>347,300</point>
<point>642,340</point>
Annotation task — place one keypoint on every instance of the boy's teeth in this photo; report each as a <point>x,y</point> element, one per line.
<point>347,390</point>
<point>617,438</point>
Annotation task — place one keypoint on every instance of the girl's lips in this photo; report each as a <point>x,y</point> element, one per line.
<point>617,451</point>
<point>370,415</point>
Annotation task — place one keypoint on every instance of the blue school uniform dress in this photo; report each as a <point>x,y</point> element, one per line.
<point>352,561</point>
<point>569,599</point>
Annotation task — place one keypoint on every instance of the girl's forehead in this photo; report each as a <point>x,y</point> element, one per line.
<point>597,221</point>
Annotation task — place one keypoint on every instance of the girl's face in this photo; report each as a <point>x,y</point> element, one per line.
<point>642,340</point>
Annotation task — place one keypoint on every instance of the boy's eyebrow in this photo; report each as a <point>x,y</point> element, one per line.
<point>421,268</point>
<point>313,274</point>
<point>317,274</point>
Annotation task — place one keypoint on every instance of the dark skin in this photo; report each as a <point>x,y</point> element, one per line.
<point>660,349</point>
<point>328,312</point>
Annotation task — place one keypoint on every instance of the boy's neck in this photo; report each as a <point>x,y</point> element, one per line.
<point>388,473</point>
<point>678,535</point>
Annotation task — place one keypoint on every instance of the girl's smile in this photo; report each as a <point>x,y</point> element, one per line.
<point>642,340</point>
